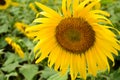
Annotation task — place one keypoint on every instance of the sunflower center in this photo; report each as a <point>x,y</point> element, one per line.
<point>72,34</point>
<point>2,2</point>
<point>75,35</point>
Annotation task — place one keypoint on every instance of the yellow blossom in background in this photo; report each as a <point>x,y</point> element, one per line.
<point>45,1</point>
<point>31,5</point>
<point>79,38</point>
<point>15,47</point>
<point>21,27</point>
<point>4,4</point>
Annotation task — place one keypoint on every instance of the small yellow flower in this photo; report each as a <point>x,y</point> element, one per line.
<point>31,5</point>
<point>4,4</point>
<point>15,47</point>
<point>44,1</point>
<point>79,38</point>
<point>21,26</point>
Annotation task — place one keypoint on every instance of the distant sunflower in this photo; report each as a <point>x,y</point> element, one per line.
<point>21,27</point>
<point>78,38</point>
<point>15,46</point>
<point>4,4</point>
<point>31,5</point>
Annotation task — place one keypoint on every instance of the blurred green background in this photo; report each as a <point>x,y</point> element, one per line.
<point>12,67</point>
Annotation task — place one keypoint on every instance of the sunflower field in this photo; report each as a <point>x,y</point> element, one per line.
<point>59,39</point>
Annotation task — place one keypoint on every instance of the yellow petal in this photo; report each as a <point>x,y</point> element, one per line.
<point>102,56</point>
<point>100,12</point>
<point>79,8</point>
<point>46,21</point>
<point>39,27</point>
<point>100,64</point>
<point>68,8</point>
<point>53,56</point>
<point>45,49</point>
<point>51,16</point>
<point>71,67</point>
<point>64,11</point>
<point>48,10</point>
<point>87,8</point>
<point>92,68</point>
<point>64,62</point>
<point>82,65</point>
<point>99,17</point>
<point>58,61</point>
<point>75,5</point>
<point>75,69</point>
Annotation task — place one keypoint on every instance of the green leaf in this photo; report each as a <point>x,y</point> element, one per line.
<point>2,76</point>
<point>106,1</point>
<point>115,75</point>
<point>10,59</point>
<point>10,67</point>
<point>29,71</point>
<point>58,76</point>
<point>1,51</point>
<point>2,42</point>
<point>47,72</point>
<point>3,28</point>
<point>11,74</point>
<point>51,74</point>
<point>28,43</point>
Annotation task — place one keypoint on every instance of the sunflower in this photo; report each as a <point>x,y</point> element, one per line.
<point>21,27</point>
<point>15,46</point>
<point>31,5</point>
<point>4,4</point>
<point>78,38</point>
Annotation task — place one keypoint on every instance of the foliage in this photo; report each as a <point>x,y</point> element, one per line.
<point>12,67</point>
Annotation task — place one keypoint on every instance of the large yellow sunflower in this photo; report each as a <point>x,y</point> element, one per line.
<point>4,4</point>
<point>78,38</point>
